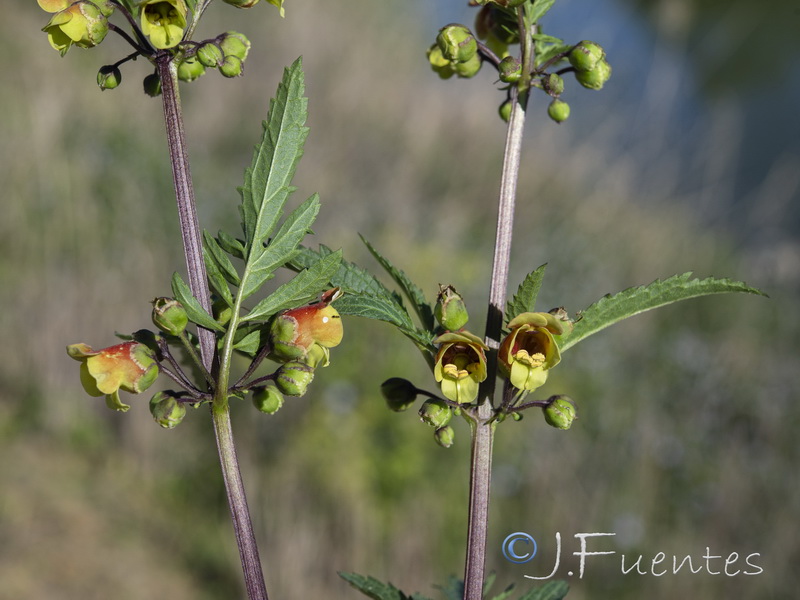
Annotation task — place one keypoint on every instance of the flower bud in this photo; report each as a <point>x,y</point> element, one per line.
<point>510,69</point>
<point>166,410</point>
<point>399,393</point>
<point>435,413</point>
<point>586,55</point>
<point>457,43</point>
<point>231,66</point>
<point>445,436</point>
<point>294,332</point>
<point>553,84</point>
<point>504,110</point>
<point>596,78</point>
<point>169,316</point>
<point>469,68</point>
<point>152,85</point>
<point>210,55</point>
<point>558,111</point>
<point>560,413</point>
<point>241,3</point>
<point>267,398</point>
<point>109,77</point>
<point>235,44</point>
<point>190,69</point>
<point>450,310</point>
<point>294,377</point>
<point>439,63</point>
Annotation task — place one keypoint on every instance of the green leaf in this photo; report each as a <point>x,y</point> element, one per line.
<point>412,291</point>
<point>282,247</point>
<point>350,277</point>
<point>267,181</point>
<point>453,589</point>
<point>544,38</point>
<point>552,590</point>
<point>216,279</point>
<point>525,298</point>
<point>303,288</point>
<point>230,244</point>
<point>224,263</point>
<point>540,9</point>
<point>194,311</point>
<point>632,301</point>
<point>377,590</point>
<point>248,343</point>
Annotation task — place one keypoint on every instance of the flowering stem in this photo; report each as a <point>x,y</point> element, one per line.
<point>482,422</point>
<point>193,250</point>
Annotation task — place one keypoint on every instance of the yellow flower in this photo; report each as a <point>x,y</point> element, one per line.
<point>529,351</point>
<point>82,23</point>
<point>460,365</point>
<point>130,366</point>
<point>163,21</point>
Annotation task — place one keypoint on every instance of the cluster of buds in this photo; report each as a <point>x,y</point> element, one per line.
<point>157,25</point>
<point>301,339</point>
<point>589,61</point>
<point>455,53</point>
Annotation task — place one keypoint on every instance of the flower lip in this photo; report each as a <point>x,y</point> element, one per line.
<point>460,365</point>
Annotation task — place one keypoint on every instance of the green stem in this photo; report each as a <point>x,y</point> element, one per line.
<point>482,424</point>
<point>193,251</point>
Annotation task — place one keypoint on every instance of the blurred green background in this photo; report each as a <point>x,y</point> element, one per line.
<point>688,160</point>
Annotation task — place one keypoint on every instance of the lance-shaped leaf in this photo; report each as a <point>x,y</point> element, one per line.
<point>411,289</point>
<point>552,590</point>
<point>216,279</point>
<point>377,590</point>
<point>303,288</point>
<point>540,9</point>
<point>611,309</point>
<point>282,247</point>
<point>525,298</point>
<point>224,264</point>
<point>230,244</point>
<point>267,180</point>
<point>194,311</point>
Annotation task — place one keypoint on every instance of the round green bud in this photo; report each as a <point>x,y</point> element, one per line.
<point>450,310</point>
<point>152,85</point>
<point>268,398</point>
<point>558,111</point>
<point>399,393</point>
<point>109,77</point>
<point>516,416</point>
<point>510,69</point>
<point>596,78</point>
<point>294,377</point>
<point>553,84</point>
<point>469,68</point>
<point>445,436</point>
<point>560,413</point>
<point>166,410</point>
<point>210,55</point>
<point>169,316</point>
<point>435,413</point>
<point>439,63</point>
<point>190,69</point>
<point>586,55</point>
<point>504,110</point>
<point>241,3</point>
<point>231,66</point>
<point>234,44</point>
<point>457,43</point>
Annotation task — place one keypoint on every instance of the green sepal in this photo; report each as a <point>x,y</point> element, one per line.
<point>525,298</point>
<point>194,311</point>
<point>632,301</point>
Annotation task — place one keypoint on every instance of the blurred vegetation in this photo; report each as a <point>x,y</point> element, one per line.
<point>686,437</point>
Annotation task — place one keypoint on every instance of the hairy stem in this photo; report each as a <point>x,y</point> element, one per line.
<point>482,424</point>
<point>193,250</point>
